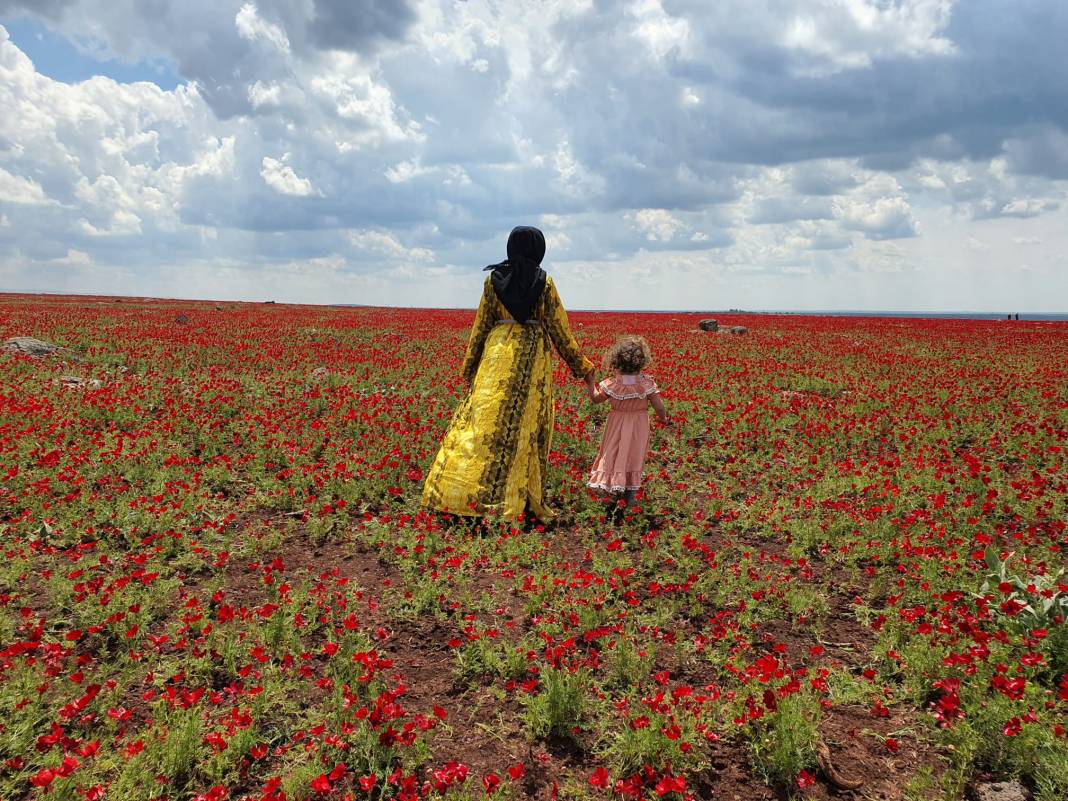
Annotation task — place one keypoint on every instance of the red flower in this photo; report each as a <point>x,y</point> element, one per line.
<point>671,784</point>
<point>42,778</point>
<point>517,771</point>
<point>338,771</point>
<point>599,778</point>
<point>805,779</point>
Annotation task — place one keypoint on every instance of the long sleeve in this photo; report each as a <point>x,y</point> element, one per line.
<point>484,321</point>
<point>555,318</point>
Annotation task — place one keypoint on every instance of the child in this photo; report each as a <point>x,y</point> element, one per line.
<point>621,458</point>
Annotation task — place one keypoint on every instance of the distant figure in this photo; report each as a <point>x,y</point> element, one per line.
<point>1008,316</point>
<point>620,461</point>
<point>1017,315</point>
<point>494,457</point>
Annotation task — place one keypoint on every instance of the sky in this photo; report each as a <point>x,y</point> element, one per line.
<point>900,155</point>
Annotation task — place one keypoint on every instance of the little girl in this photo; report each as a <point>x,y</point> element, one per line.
<point>621,458</point>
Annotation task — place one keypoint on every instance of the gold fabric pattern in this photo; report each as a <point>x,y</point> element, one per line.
<point>506,435</point>
<point>494,457</point>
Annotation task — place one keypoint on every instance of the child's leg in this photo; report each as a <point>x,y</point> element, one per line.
<point>611,507</point>
<point>629,497</point>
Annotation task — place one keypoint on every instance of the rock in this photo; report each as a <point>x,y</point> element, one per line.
<point>738,329</point>
<point>218,308</point>
<point>708,325</point>
<point>73,381</point>
<point>268,303</point>
<point>1002,791</point>
<point>28,346</point>
<point>182,319</point>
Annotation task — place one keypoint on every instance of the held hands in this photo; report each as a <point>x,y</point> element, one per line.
<point>591,384</point>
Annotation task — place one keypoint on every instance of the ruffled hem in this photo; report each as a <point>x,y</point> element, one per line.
<point>612,487</point>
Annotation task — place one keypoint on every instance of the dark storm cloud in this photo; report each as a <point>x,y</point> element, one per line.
<point>822,178</point>
<point>45,8</point>
<point>785,209</point>
<point>1041,152</point>
<point>354,24</point>
<point>763,103</point>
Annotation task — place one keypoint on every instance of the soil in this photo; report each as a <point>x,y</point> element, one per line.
<point>483,728</point>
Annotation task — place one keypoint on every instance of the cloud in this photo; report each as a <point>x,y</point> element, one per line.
<point>383,244</point>
<point>1027,207</point>
<point>656,224</point>
<point>264,94</point>
<point>253,28</point>
<point>883,218</point>
<point>16,189</point>
<point>74,258</point>
<point>1040,152</point>
<point>855,34</point>
<point>280,177</point>
<point>775,142</point>
<point>354,24</point>
<point>47,8</point>
<point>785,209</point>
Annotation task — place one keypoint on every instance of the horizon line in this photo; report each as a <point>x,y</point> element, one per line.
<point>814,312</point>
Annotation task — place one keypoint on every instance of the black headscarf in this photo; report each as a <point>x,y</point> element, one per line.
<point>519,279</point>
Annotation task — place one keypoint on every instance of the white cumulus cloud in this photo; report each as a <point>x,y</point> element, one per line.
<point>16,189</point>
<point>251,26</point>
<point>281,178</point>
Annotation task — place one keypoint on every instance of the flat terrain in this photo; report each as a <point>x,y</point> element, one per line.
<point>842,580</point>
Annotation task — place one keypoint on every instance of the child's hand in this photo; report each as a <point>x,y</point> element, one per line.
<point>591,386</point>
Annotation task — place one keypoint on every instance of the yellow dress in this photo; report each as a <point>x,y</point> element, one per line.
<point>493,458</point>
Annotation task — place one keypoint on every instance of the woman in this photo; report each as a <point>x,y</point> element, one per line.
<point>494,456</point>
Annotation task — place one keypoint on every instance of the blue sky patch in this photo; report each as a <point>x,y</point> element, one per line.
<point>60,59</point>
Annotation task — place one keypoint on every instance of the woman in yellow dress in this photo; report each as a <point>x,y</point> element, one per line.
<point>494,456</point>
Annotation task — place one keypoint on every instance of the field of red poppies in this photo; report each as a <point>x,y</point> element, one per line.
<point>846,577</point>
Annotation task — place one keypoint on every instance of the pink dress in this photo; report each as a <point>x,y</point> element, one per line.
<point>621,459</point>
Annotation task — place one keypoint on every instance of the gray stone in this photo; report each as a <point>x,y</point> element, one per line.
<point>708,325</point>
<point>72,381</point>
<point>1002,791</point>
<point>182,319</point>
<point>28,346</point>
<point>738,329</point>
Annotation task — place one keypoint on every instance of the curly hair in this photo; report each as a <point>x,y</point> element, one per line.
<point>629,355</point>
